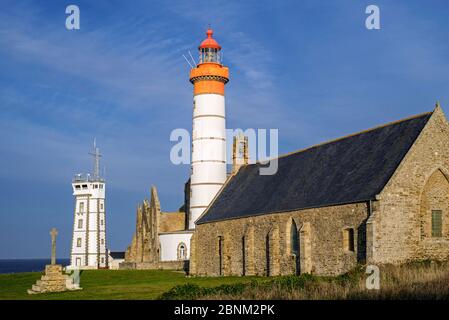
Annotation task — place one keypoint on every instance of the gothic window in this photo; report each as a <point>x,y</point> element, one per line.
<point>294,239</point>
<point>267,253</point>
<point>243,257</point>
<point>182,251</point>
<point>437,220</point>
<point>348,239</point>
<point>220,256</point>
<point>78,242</point>
<point>80,223</point>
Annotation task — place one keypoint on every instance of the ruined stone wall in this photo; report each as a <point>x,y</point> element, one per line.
<point>144,247</point>
<point>172,221</point>
<point>143,252</point>
<point>261,245</point>
<point>400,228</point>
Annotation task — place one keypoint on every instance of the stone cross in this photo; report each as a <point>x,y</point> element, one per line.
<point>53,234</point>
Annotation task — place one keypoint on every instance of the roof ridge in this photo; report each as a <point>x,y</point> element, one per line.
<point>348,136</point>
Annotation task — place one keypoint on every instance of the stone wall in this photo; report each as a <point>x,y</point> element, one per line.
<point>143,253</point>
<point>145,245</point>
<point>261,245</point>
<point>172,221</point>
<point>400,228</point>
<point>161,265</point>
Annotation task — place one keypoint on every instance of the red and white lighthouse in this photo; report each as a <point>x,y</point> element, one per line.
<point>208,175</point>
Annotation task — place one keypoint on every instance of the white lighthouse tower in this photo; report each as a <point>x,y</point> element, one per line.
<point>209,130</point>
<point>89,226</point>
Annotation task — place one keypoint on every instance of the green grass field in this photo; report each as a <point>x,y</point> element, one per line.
<point>110,284</point>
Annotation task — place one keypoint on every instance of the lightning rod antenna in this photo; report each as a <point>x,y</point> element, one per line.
<point>188,61</point>
<point>96,154</point>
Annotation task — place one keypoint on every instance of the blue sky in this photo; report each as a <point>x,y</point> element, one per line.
<point>309,68</point>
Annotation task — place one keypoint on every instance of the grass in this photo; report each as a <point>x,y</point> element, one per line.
<point>414,281</point>
<point>110,284</point>
<point>418,280</point>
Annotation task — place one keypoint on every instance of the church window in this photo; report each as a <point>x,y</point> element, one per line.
<point>80,223</point>
<point>243,257</point>
<point>182,251</point>
<point>348,239</point>
<point>294,239</point>
<point>220,256</point>
<point>78,242</point>
<point>81,207</point>
<point>437,223</point>
<point>267,254</point>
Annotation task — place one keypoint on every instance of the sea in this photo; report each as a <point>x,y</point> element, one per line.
<point>27,265</point>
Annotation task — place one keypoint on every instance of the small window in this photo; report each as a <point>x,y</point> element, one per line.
<point>101,186</point>
<point>77,186</point>
<point>84,186</point>
<point>80,223</point>
<point>437,224</point>
<point>182,251</point>
<point>101,206</point>
<point>95,186</point>
<point>348,239</point>
<point>78,242</point>
<point>102,241</point>
<point>101,222</point>
<point>81,207</point>
<point>102,260</point>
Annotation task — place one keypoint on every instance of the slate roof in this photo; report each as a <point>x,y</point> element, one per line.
<point>348,170</point>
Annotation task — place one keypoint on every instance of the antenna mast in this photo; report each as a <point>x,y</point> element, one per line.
<point>96,154</point>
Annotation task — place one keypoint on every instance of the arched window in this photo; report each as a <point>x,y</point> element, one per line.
<point>182,251</point>
<point>294,239</point>
<point>243,256</point>
<point>267,254</point>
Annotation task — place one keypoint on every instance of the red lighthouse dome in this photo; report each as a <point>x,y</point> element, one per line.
<point>209,42</point>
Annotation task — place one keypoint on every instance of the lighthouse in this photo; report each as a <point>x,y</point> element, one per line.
<point>208,160</point>
<point>89,226</point>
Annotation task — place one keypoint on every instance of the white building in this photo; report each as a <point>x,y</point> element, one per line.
<point>89,224</point>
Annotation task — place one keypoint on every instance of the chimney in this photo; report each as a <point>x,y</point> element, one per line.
<point>240,153</point>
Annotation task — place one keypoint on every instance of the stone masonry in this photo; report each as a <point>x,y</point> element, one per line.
<point>394,227</point>
<point>143,253</point>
